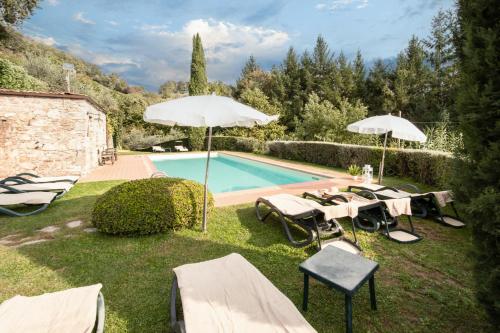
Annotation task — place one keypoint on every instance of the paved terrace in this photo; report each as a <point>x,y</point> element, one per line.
<point>140,166</point>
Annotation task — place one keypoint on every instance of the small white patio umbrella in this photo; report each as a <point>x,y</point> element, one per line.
<point>399,127</point>
<point>205,111</point>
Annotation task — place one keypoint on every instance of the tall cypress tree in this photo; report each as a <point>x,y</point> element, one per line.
<point>198,85</point>
<point>359,76</point>
<point>293,102</point>
<point>477,178</point>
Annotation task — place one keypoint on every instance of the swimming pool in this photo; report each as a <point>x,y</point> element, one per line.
<point>229,173</point>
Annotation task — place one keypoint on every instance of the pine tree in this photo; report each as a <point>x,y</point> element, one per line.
<point>322,68</point>
<point>359,76</point>
<point>293,102</point>
<point>306,77</point>
<point>477,176</point>
<point>345,85</point>
<point>441,55</point>
<point>380,94</point>
<point>198,85</point>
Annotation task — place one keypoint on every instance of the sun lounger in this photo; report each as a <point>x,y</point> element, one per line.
<point>76,310</point>
<point>373,213</point>
<point>32,178</point>
<point>313,219</point>
<point>229,294</point>
<point>158,149</point>
<point>180,148</point>
<point>424,205</point>
<point>40,199</point>
<point>60,188</point>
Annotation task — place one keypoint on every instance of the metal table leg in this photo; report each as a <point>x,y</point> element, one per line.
<point>306,292</point>
<point>348,313</point>
<point>373,298</point>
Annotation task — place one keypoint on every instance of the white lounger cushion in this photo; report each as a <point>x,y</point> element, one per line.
<point>62,186</point>
<point>73,310</point>
<point>29,198</point>
<point>230,295</point>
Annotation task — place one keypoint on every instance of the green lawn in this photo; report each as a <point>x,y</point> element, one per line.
<point>421,287</point>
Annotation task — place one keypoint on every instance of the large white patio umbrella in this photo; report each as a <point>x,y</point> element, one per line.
<point>205,111</point>
<point>399,127</point>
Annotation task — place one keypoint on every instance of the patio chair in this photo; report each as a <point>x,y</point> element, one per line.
<point>157,149</point>
<point>229,294</point>
<point>311,218</point>
<point>373,214</point>
<point>76,310</point>
<point>27,177</point>
<point>41,200</point>
<point>424,205</point>
<point>60,188</point>
<point>180,148</point>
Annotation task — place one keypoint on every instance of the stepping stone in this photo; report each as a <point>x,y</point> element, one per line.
<point>5,242</point>
<point>74,224</point>
<point>50,229</point>
<point>90,230</point>
<point>36,241</point>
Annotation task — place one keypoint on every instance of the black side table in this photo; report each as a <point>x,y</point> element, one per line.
<point>343,271</point>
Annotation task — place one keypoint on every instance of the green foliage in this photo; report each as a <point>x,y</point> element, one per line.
<point>322,121</point>
<point>427,167</point>
<point>15,77</point>
<point>15,11</point>
<point>196,137</point>
<point>477,176</point>
<point>139,139</point>
<point>258,100</point>
<point>233,143</point>
<point>198,84</point>
<point>149,206</point>
<point>354,170</point>
<point>173,89</point>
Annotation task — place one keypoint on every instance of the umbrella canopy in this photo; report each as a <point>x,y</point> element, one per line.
<point>205,111</point>
<point>400,128</point>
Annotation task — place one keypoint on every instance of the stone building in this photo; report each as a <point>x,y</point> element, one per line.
<point>50,134</point>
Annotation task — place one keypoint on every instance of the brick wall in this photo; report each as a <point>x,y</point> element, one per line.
<point>50,136</point>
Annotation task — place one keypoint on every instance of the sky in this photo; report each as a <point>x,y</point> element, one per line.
<point>149,42</point>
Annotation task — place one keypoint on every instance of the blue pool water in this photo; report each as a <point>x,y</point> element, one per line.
<point>229,173</point>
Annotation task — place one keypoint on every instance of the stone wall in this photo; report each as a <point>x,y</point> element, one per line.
<point>50,135</point>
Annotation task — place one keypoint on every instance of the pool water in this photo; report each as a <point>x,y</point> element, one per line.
<point>230,173</point>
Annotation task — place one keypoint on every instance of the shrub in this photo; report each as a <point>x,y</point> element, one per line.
<point>196,137</point>
<point>354,170</point>
<point>233,143</point>
<point>15,77</point>
<point>138,139</point>
<point>427,167</point>
<point>149,206</point>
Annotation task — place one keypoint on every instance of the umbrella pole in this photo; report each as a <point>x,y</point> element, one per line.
<point>205,201</point>
<point>381,169</point>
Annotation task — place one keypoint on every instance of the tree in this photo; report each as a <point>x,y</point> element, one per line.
<point>322,69</point>
<point>198,85</point>
<point>476,182</point>
<point>359,74</point>
<point>379,96</point>
<point>252,76</point>
<point>14,12</point>
<point>292,99</point>
<point>441,55</point>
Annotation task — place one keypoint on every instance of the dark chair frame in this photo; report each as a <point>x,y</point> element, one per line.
<point>13,213</point>
<point>425,204</point>
<point>306,221</point>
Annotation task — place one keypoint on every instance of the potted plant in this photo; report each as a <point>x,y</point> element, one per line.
<point>354,170</point>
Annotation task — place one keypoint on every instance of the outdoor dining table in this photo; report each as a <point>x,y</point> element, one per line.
<point>342,271</point>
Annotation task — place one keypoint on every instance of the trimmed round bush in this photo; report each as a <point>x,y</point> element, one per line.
<point>149,206</point>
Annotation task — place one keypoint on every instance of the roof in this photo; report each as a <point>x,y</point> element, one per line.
<point>8,92</point>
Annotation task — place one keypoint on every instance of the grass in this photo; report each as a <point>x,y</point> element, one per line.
<point>422,287</point>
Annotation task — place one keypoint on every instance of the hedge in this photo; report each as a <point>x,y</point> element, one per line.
<point>149,206</point>
<point>234,143</point>
<point>427,167</point>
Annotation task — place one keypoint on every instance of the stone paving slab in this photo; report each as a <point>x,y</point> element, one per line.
<point>127,167</point>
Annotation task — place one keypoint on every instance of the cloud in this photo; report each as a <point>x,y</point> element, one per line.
<point>80,18</point>
<point>50,41</point>
<point>53,2</point>
<point>164,54</point>
<point>337,5</point>
<point>113,23</point>
<point>417,9</point>
<point>100,59</point>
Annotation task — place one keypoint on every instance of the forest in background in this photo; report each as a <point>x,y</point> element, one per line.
<point>316,93</point>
